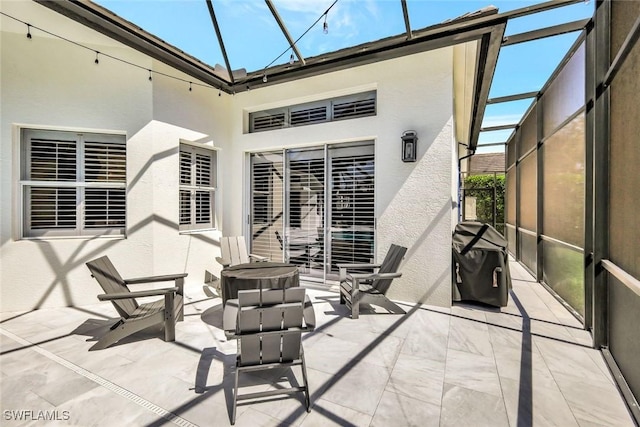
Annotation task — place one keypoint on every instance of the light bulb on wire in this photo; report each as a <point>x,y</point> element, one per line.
<point>291,59</point>
<point>29,31</point>
<point>325,26</point>
<point>264,79</point>
<point>97,61</point>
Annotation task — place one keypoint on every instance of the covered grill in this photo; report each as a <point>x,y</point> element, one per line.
<point>481,264</point>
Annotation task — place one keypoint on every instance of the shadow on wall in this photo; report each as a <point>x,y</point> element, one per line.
<point>62,268</point>
<point>414,266</point>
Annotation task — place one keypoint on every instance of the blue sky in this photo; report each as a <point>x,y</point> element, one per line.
<point>253,39</point>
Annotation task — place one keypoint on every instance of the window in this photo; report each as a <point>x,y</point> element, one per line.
<point>345,107</point>
<point>197,187</point>
<point>73,184</point>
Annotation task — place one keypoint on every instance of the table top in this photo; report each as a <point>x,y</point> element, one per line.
<point>260,270</point>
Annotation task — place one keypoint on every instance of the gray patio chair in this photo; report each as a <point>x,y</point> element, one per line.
<point>269,331</point>
<point>369,283</point>
<point>136,317</point>
<point>233,251</point>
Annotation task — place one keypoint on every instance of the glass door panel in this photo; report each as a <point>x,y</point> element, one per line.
<point>314,207</point>
<point>267,204</point>
<point>305,210</point>
<point>352,213</point>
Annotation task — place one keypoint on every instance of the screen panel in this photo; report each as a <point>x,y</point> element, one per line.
<point>566,94</point>
<point>624,335</point>
<point>563,188</point>
<point>529,192</point>
<point>563,271</point>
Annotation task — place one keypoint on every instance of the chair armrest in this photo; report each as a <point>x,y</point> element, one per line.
<point>343,268</point>
<point>352,266</point>
<point>373,276</point>
<point>138,294</point>
<point>259,258</point>
<point>223,262</point>
<point>152,279</point>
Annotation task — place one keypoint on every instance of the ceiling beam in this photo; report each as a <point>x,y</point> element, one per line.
<point>555,30</point>
<point>539,7</point>
<point>430,38</point>
<point>220,40</point>
<point>283,27</point>
<point>499,127</point>
<point>510,98</point>
<point>405,12</point>
<point>492,144</point>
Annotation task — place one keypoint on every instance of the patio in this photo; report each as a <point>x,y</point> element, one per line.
<point>528,364</point>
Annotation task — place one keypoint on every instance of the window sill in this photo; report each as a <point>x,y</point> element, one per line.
<point>198,231</point>
<point>100,237</point>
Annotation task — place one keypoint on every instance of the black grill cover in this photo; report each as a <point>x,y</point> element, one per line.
<point>481,263</point>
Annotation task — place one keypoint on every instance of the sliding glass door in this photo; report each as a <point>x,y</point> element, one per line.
<point>314,207</point>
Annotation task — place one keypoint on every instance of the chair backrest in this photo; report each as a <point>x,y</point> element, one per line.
<point>269,325</point>
<point>234,250</point>
<point>112,283</point>
<point>390,264</point>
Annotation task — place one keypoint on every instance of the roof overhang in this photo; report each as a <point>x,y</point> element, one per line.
<point>485,26</point>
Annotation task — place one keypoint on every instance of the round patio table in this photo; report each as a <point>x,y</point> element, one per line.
<point>257,275</point>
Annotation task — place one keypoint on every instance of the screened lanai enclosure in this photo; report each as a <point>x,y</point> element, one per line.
<point>302,155</point>
<point>571,181</point>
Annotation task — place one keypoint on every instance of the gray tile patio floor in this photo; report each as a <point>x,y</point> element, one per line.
<point>527,364</point>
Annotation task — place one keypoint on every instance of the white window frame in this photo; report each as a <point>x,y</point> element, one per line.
<point>79,185</point>
<point>330,114</point>
<point>194,188</point>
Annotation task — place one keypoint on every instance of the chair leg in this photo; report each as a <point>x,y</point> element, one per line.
<point>180,285</point>
<point>235,397</point>
<point>307,398</point>
<point>169,319</point>
<point>355,299</point>
<point>123,330</point>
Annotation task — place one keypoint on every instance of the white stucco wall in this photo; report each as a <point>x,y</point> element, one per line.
<point>46,82</point>
<point>50,83</point>
<point>413,200</point>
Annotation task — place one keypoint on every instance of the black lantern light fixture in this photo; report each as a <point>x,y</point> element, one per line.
<point>409,146</point>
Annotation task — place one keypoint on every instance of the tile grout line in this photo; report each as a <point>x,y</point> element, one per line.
<point>167,415</point>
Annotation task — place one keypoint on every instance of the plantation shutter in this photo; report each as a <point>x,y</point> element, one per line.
<point>197,187</point>
<point>105,174</point>
<point>352,206</point>
<point>305,227</point>
<point>51,158</point>
<point>73,183</point>
<point>341,108</point>
<point>267,202</point>
<point>356,106</point>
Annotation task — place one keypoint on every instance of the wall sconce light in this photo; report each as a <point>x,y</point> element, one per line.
<point>409,146</point>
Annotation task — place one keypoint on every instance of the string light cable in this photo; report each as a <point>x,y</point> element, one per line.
<point>325,30</point>
<point>106,55</point>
